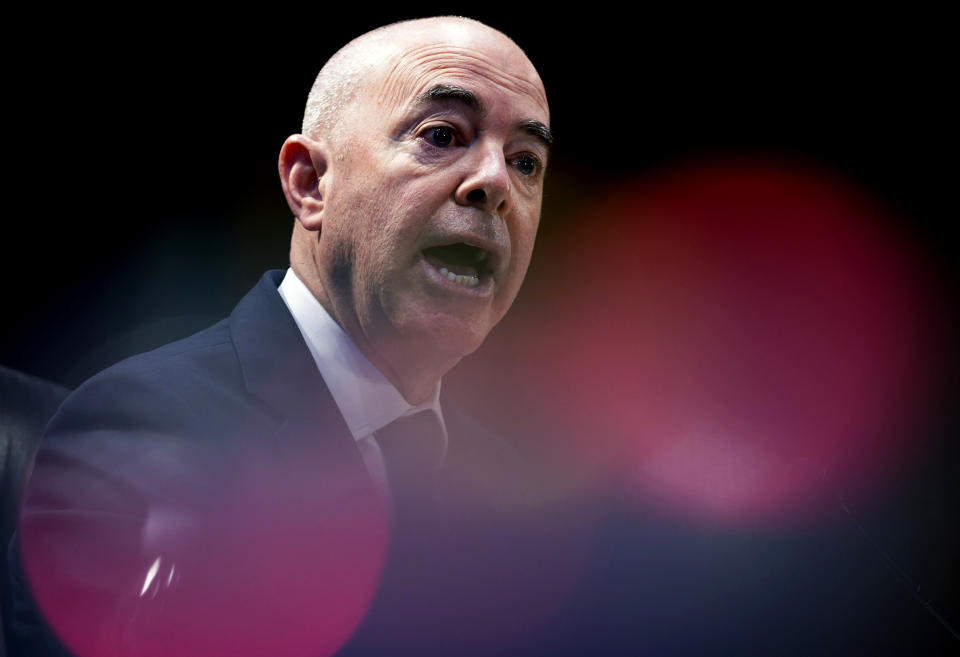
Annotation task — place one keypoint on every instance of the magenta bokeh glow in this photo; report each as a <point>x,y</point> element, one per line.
<point>730,332</point>
<point>282,557</point>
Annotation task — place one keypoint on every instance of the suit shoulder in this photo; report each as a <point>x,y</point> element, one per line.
<point>166,386</point>
<point>204,354</point>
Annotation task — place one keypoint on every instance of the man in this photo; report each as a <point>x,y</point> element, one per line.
<point>248,489</point>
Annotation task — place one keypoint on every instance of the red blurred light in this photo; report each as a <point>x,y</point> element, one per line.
<point>730,331</point>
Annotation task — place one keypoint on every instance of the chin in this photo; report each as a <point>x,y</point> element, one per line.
<point>451,337</point>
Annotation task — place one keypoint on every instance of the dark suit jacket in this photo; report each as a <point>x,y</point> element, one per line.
<point>211,493</point>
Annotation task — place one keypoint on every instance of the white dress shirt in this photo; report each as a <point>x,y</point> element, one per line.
<point>366,399</point>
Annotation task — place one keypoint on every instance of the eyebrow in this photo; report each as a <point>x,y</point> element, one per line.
<point>538,130</point>
<point>443,92</point>
<point>452,92</point>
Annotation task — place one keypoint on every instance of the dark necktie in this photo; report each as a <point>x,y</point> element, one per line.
<point>412,448</point>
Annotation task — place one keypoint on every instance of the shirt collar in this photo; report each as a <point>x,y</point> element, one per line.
<point>366,399</point>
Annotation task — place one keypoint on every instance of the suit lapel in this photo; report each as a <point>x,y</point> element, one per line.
<point>279,372</point>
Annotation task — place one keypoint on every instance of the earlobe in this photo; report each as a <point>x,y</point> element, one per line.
<point>302,165</point>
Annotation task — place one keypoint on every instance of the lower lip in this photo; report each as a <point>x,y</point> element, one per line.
<point>482,289</point>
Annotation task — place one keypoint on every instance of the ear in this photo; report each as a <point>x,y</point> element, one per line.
<point>302,166</point>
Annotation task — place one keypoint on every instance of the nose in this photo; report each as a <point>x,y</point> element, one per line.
<point>486,184</point>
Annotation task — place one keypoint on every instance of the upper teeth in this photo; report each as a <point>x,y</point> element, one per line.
<point>468,281</point>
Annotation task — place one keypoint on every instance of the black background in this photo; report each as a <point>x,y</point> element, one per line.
<point>142,199</point>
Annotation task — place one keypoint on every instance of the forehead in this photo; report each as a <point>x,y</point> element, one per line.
<point>489,65</point>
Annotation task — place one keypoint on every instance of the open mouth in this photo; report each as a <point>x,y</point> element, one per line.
<point>461,263</point>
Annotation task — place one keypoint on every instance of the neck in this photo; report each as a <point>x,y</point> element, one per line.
<point>414,370</point>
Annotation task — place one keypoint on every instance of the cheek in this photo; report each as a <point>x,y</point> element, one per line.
<point>384,247</point>
<point>524,238</point>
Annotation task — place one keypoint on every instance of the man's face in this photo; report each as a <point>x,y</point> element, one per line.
<point>437,175</point>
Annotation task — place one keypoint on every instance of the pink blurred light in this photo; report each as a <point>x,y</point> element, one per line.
<point>281,557</point>
<point>731,331</point>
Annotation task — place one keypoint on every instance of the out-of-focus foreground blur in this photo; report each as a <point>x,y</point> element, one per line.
<point>737,337</point>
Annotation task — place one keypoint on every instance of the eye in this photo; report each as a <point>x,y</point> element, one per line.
<point>440,135</point>
<point>526,164</point>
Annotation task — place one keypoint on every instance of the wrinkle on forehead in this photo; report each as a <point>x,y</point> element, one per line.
<point>416,68</point>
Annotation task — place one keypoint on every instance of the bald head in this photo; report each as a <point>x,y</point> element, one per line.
<point>417,185</point>
<point>344,74</point>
